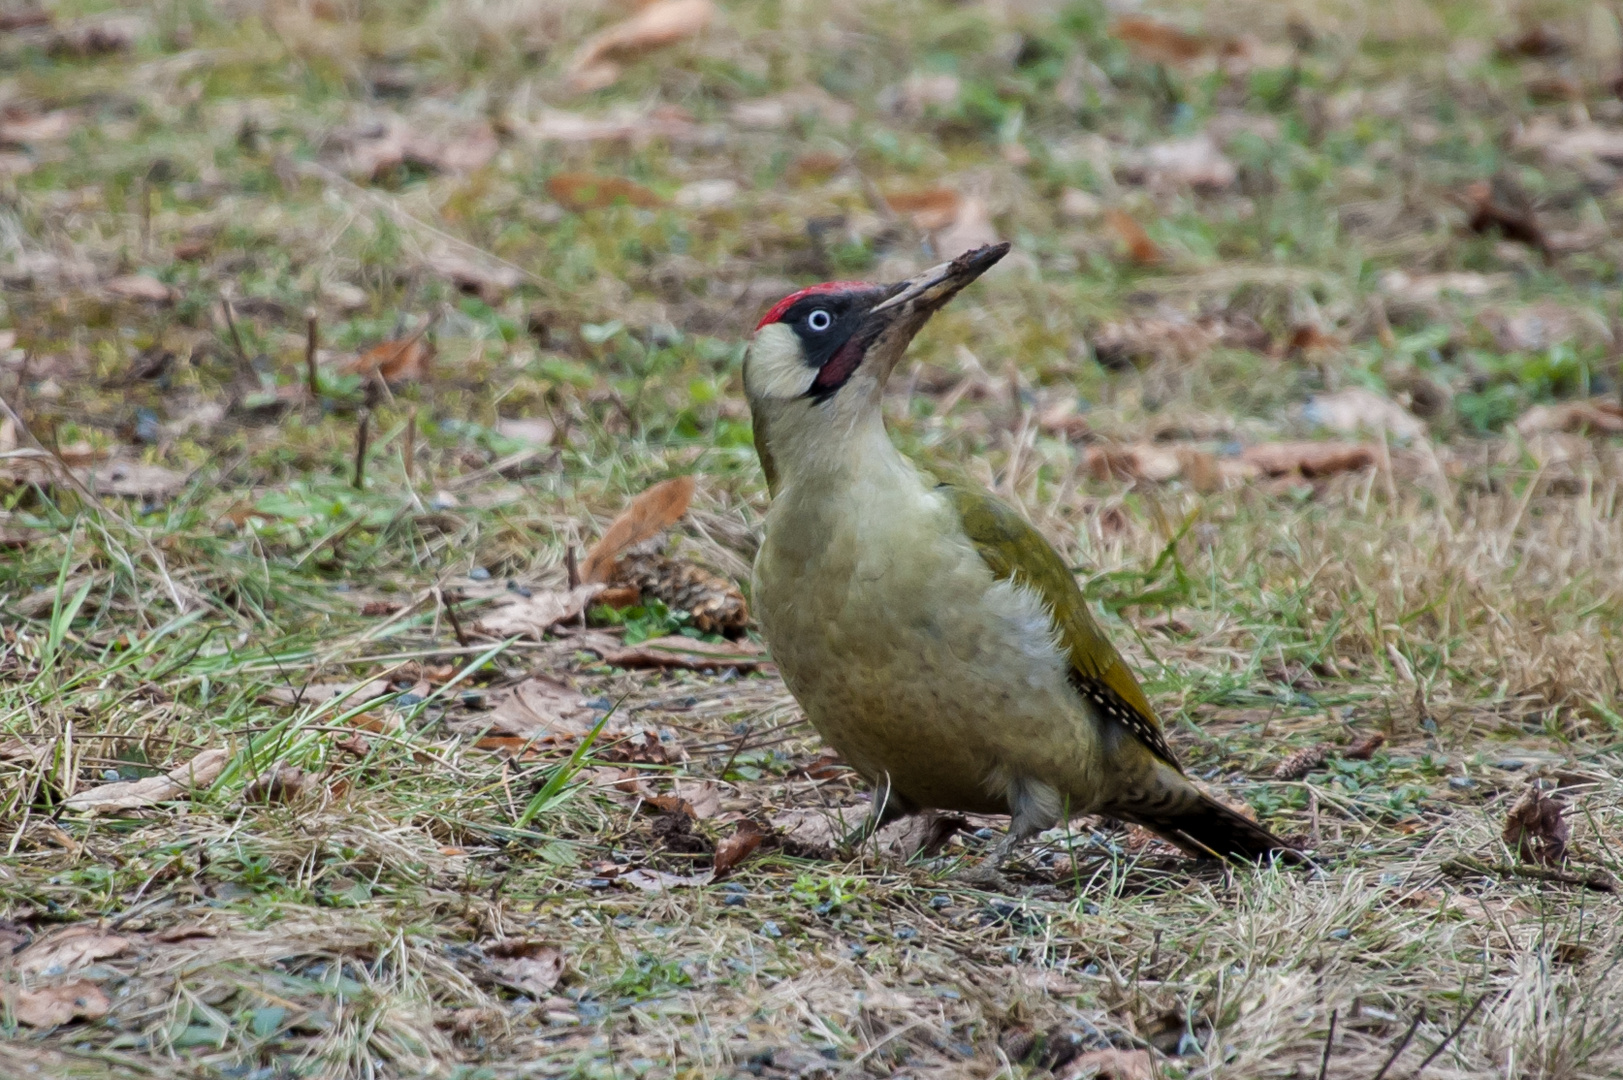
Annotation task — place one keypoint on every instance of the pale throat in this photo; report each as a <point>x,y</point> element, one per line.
<point>837,450</point>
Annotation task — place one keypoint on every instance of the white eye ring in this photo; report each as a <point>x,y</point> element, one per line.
<point>819,320</point>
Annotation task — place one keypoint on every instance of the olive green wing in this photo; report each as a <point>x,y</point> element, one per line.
<point>1016,551</point>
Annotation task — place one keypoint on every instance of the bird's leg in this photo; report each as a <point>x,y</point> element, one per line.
<point>1036,807</point>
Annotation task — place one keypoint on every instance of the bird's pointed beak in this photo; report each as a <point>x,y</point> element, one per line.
<point>932,289</point>
<point>906,306</point>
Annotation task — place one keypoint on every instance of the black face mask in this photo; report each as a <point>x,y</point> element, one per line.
<point>828,326</point>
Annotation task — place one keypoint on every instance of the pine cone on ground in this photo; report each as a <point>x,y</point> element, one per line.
<point>1302,762</point>
<point>715,604</point>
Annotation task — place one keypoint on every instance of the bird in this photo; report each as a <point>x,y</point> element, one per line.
<point>930,634</point>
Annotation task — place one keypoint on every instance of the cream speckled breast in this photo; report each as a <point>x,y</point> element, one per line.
<point>906,654</point>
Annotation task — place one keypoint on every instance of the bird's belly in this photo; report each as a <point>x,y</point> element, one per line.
<point>920,669</point>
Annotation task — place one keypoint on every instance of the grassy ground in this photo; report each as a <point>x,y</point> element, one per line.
<point>418,901</point>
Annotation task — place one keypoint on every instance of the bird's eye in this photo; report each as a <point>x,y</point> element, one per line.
<point>819,320</point>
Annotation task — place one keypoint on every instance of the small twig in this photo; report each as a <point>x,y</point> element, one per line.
<point>408,450</point>
<point>1616,326</point>
<point>572,567</point>
<point>312,340</point>
<point>146,217</point>
<point>1402,1044</point>
<point>1466,1019</point>
<point>362,431</point>
<point>22,380</point>
<point>450,614</point>
<point>743,740</point>
<point>1465,866</point>
<point>1330,1037</point>
<point>236,336</point>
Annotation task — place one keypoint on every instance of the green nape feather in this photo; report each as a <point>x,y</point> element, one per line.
<point>1014,550</point>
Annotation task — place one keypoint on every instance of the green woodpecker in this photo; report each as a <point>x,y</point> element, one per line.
<point>933,637</point>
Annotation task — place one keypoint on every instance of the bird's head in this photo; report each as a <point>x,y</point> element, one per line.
<point>820,357</point>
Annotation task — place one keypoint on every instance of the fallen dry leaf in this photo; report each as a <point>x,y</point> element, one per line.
<point>1159,463</point>
<point>1492,209</point>
<point>1308,338</point>
<point>186,932</point>
<point>920,92</point>
<point>536,707</point>
<point>97,36</point>
<point>815,165</point>
<point>587,191</point>
<point>1356,410</point>
<point>20,129</point>
<point>623,124</point>
<point>928,208</point>
<point>645,747</point>
<point>1111,1065</point>
<point>81,453</point>
<point>373,148</point>
<point>1599,416</point>
<point>280,784</point>
<point>133,480</point>
<point>193,250</point>
<point>355,745</point>
<point>1425,287</point>
<point>323,692</point>
<point>707,194</point>
<point>23,17</point>
<point>622,785</point>
<point>1140,249</point>
<point>18,751</point>
<point>1144,461</point>
<point>467,149</point>
<point>1535,328</point>
<point>490,283</point>
<point>648,515</point>
<point>54,1005</point>
<point>1128,342</point>
<point>139,287</point>
<point>1158,42</point>
<point>530,967</point>
<point>1310,459</point>
<point>406,360</point>
<point>654,881</point>
<point>620,596</point>
<point>684,652</point>
<point>701,798</point>
<point>826,766</point>
<point>1536,829</point>
<point>1078,205</point>
<point>598,62</point>
<point>1365,748</point>
<point>200,772</point>
<point>737,847</point>
<point>532,616</point>
<point>1539,42</point>
<point>805,102</point>
<point>815,832</point>
<point>68,950</point>
<point>1195,162</point>
<point>536,430</point>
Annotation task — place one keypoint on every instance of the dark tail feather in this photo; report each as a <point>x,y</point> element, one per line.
<point>1207,829</point>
